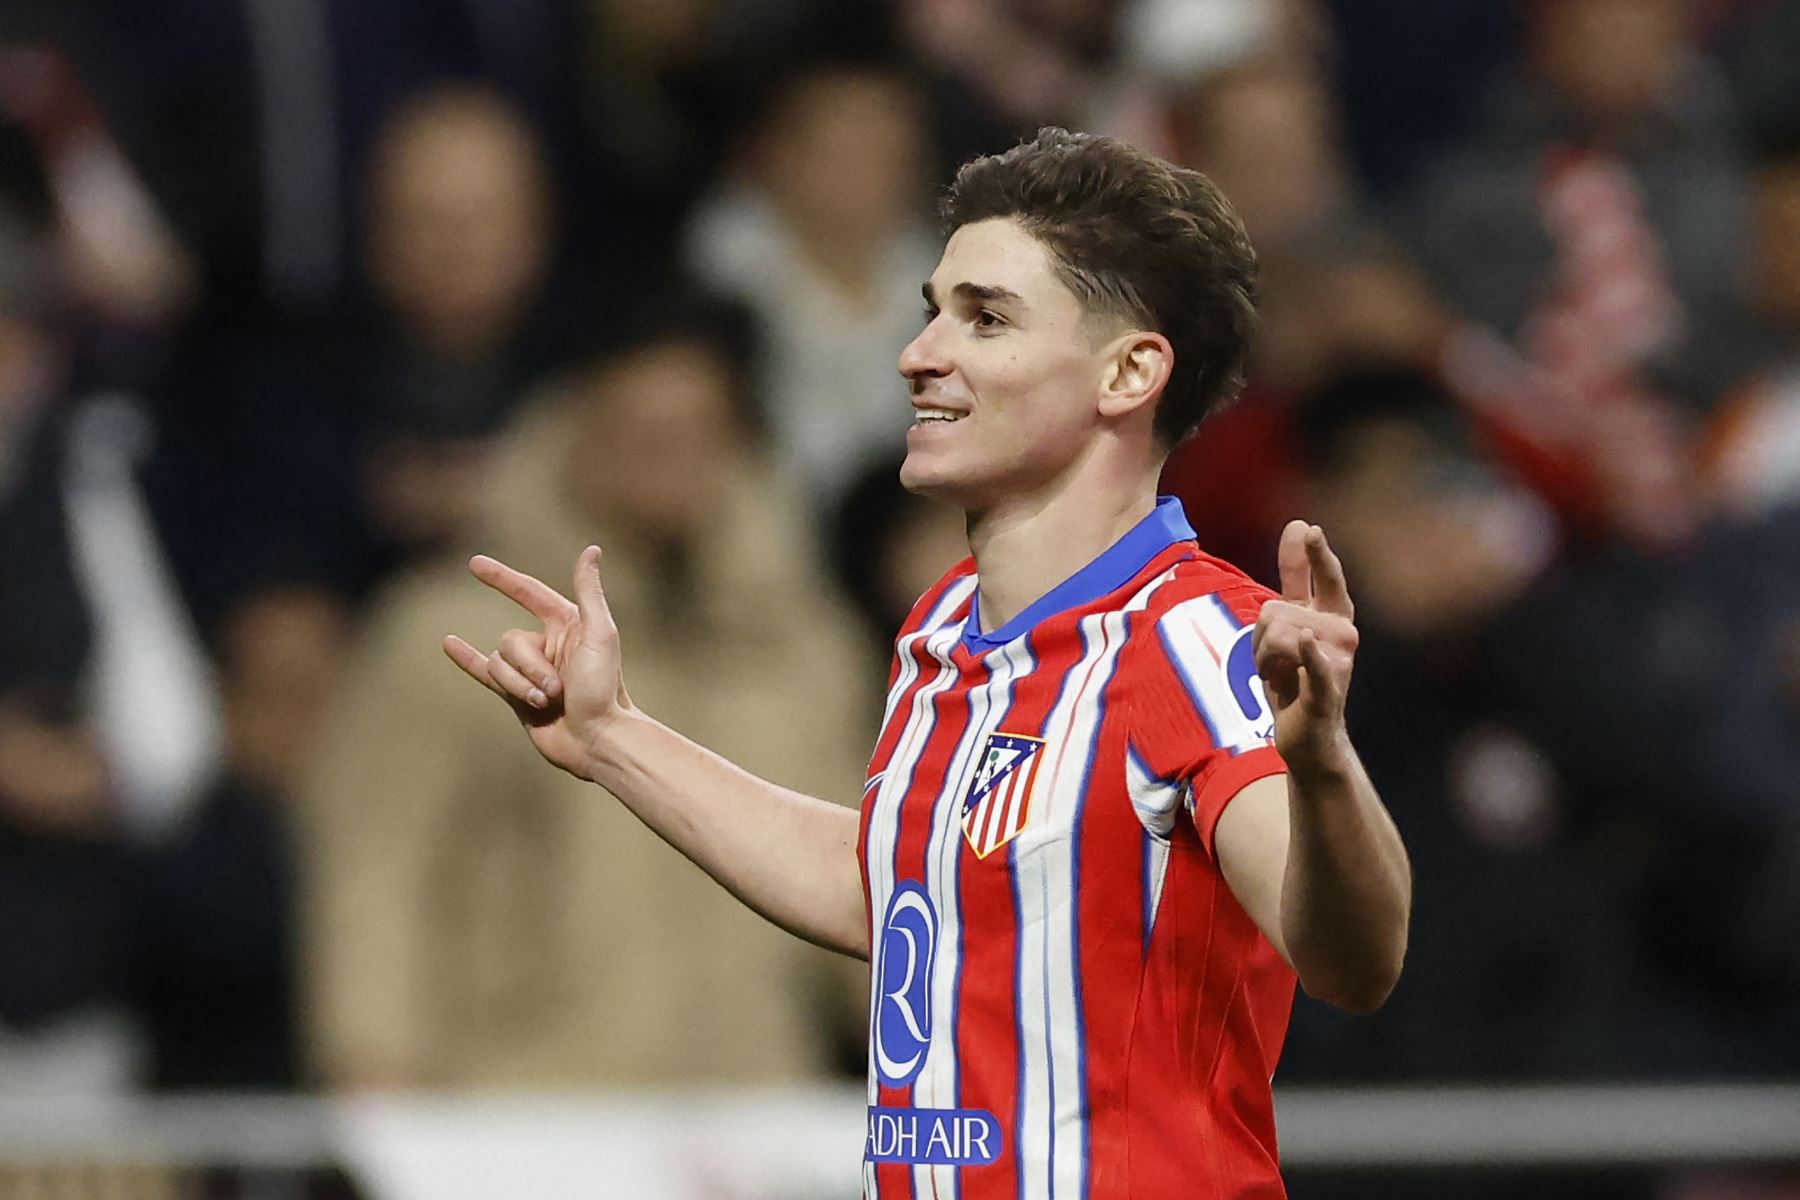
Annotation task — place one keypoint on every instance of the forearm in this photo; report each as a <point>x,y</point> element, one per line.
<point>1347,890</point>
<point>789,857</point>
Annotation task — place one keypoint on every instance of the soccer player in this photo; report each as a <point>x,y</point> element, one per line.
<point>1113,811</point>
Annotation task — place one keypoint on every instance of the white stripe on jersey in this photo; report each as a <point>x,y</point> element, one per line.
<point>953,596</point>
<point>884,818</point>
<point>936,1085</point>
<point>1050,1146</point>
<point>1156,802</point>
<point>1198,635</point>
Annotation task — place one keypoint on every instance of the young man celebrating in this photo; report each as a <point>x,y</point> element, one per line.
<point>1113,811</point>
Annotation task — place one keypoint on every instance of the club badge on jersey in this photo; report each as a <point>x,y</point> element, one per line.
<point>999,800</point>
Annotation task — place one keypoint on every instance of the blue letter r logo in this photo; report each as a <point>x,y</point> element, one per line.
<point>903,986</point>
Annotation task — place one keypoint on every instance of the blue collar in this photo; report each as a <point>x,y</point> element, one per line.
<point>1117,565</point>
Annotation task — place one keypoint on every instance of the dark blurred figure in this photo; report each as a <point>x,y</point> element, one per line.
<point>541,940</point>
<point>1412,77</point>
<point>889,546</point>
<point>1518,966</point>
<point>461,229</point>
<point>1753,459</point>
<point>660,89</point>
<point>214,977</point>
<point>1597,225</point>
<point>821,230</point>
<point>1591,756</point>
<point>128,280</point>
<point>1248,103</point>
<point>61,863</point>
<point>339,451</point>
<point>1055,59</point>
<point>1767,45</point>
<point>1342,298</point>
<point>1267,128</point>
<point>252,120</point>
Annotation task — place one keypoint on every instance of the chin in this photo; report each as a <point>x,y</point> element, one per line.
<point>925,478</point>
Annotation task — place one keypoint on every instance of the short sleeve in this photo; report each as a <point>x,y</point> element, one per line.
<point>1201,722</point>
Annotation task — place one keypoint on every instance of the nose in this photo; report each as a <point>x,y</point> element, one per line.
<point>923,357</point>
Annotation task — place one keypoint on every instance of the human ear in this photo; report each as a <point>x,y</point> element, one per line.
<point>1137,369</point>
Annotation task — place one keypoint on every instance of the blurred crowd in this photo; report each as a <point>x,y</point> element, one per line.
<point>302,301</point>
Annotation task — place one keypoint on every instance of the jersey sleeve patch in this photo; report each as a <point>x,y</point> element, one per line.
<point>1205,727</point>
<point>1212,654</point>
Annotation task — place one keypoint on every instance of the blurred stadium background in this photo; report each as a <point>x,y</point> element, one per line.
<point>302,300</point>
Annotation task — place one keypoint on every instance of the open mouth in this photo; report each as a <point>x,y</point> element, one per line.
<point>936,416</point>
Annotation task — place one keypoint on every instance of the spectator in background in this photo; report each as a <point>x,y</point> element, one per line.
<point>658,89</point>
<point>1267,130</point>
<point>1536,717</point>
<point>1341,300</point>
<point>1596,224</point>
<point>1518,965</point>
<point>542,940</point>
<point>1057,53</point>
<point>460,237</point>
<point>129,282</point>
<point>61,860</point>
<point>1238,89</point>
<point>340,451</point>
<point>819,229</point>
<point>252,122</point>
<point>213,975</point>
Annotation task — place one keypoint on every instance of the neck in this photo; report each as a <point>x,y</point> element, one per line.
<point>1026,546</point>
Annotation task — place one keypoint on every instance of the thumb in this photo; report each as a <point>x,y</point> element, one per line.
<point>589,598</point>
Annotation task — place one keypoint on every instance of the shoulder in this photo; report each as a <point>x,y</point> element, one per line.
<point>1196,630</point>
<point>1202,583</point>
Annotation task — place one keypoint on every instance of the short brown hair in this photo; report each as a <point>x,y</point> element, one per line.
<point>1137,238</point>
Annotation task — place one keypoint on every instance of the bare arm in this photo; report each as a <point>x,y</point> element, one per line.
<point>790,857</point>
<point>1313,855</point>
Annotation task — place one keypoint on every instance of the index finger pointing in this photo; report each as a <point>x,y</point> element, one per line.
<point>533,595</point>
<point>1331,590</point>
<point>1295,564</point>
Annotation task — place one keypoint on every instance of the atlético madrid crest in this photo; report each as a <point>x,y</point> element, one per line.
<point>999,799</point>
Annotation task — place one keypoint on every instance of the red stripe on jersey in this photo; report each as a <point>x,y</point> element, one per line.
<point>987,1051</point>
<point>925,669</point>
<point>948,708</point>
<point>1211,1015</point>
<point>1112,941</point>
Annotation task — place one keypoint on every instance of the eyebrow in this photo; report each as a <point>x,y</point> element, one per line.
<point>985,293</point>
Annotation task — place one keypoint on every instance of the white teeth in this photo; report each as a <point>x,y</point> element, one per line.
<point>922,415</point>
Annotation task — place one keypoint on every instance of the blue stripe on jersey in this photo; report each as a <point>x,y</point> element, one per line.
<point>925,717</point>
<point>1087,774</point>
<point>944,862</point>
<point>1062,694</point>
<point>1144,882</point>
<point>1115,567</point>
<point>1012,863</point>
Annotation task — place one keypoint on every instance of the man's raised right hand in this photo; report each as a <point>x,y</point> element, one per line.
<point>563,681</point>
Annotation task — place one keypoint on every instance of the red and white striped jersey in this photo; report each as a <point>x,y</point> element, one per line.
<point>1068,1001</point>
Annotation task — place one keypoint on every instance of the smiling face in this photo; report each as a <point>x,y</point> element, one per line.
<point>1008,375</point>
